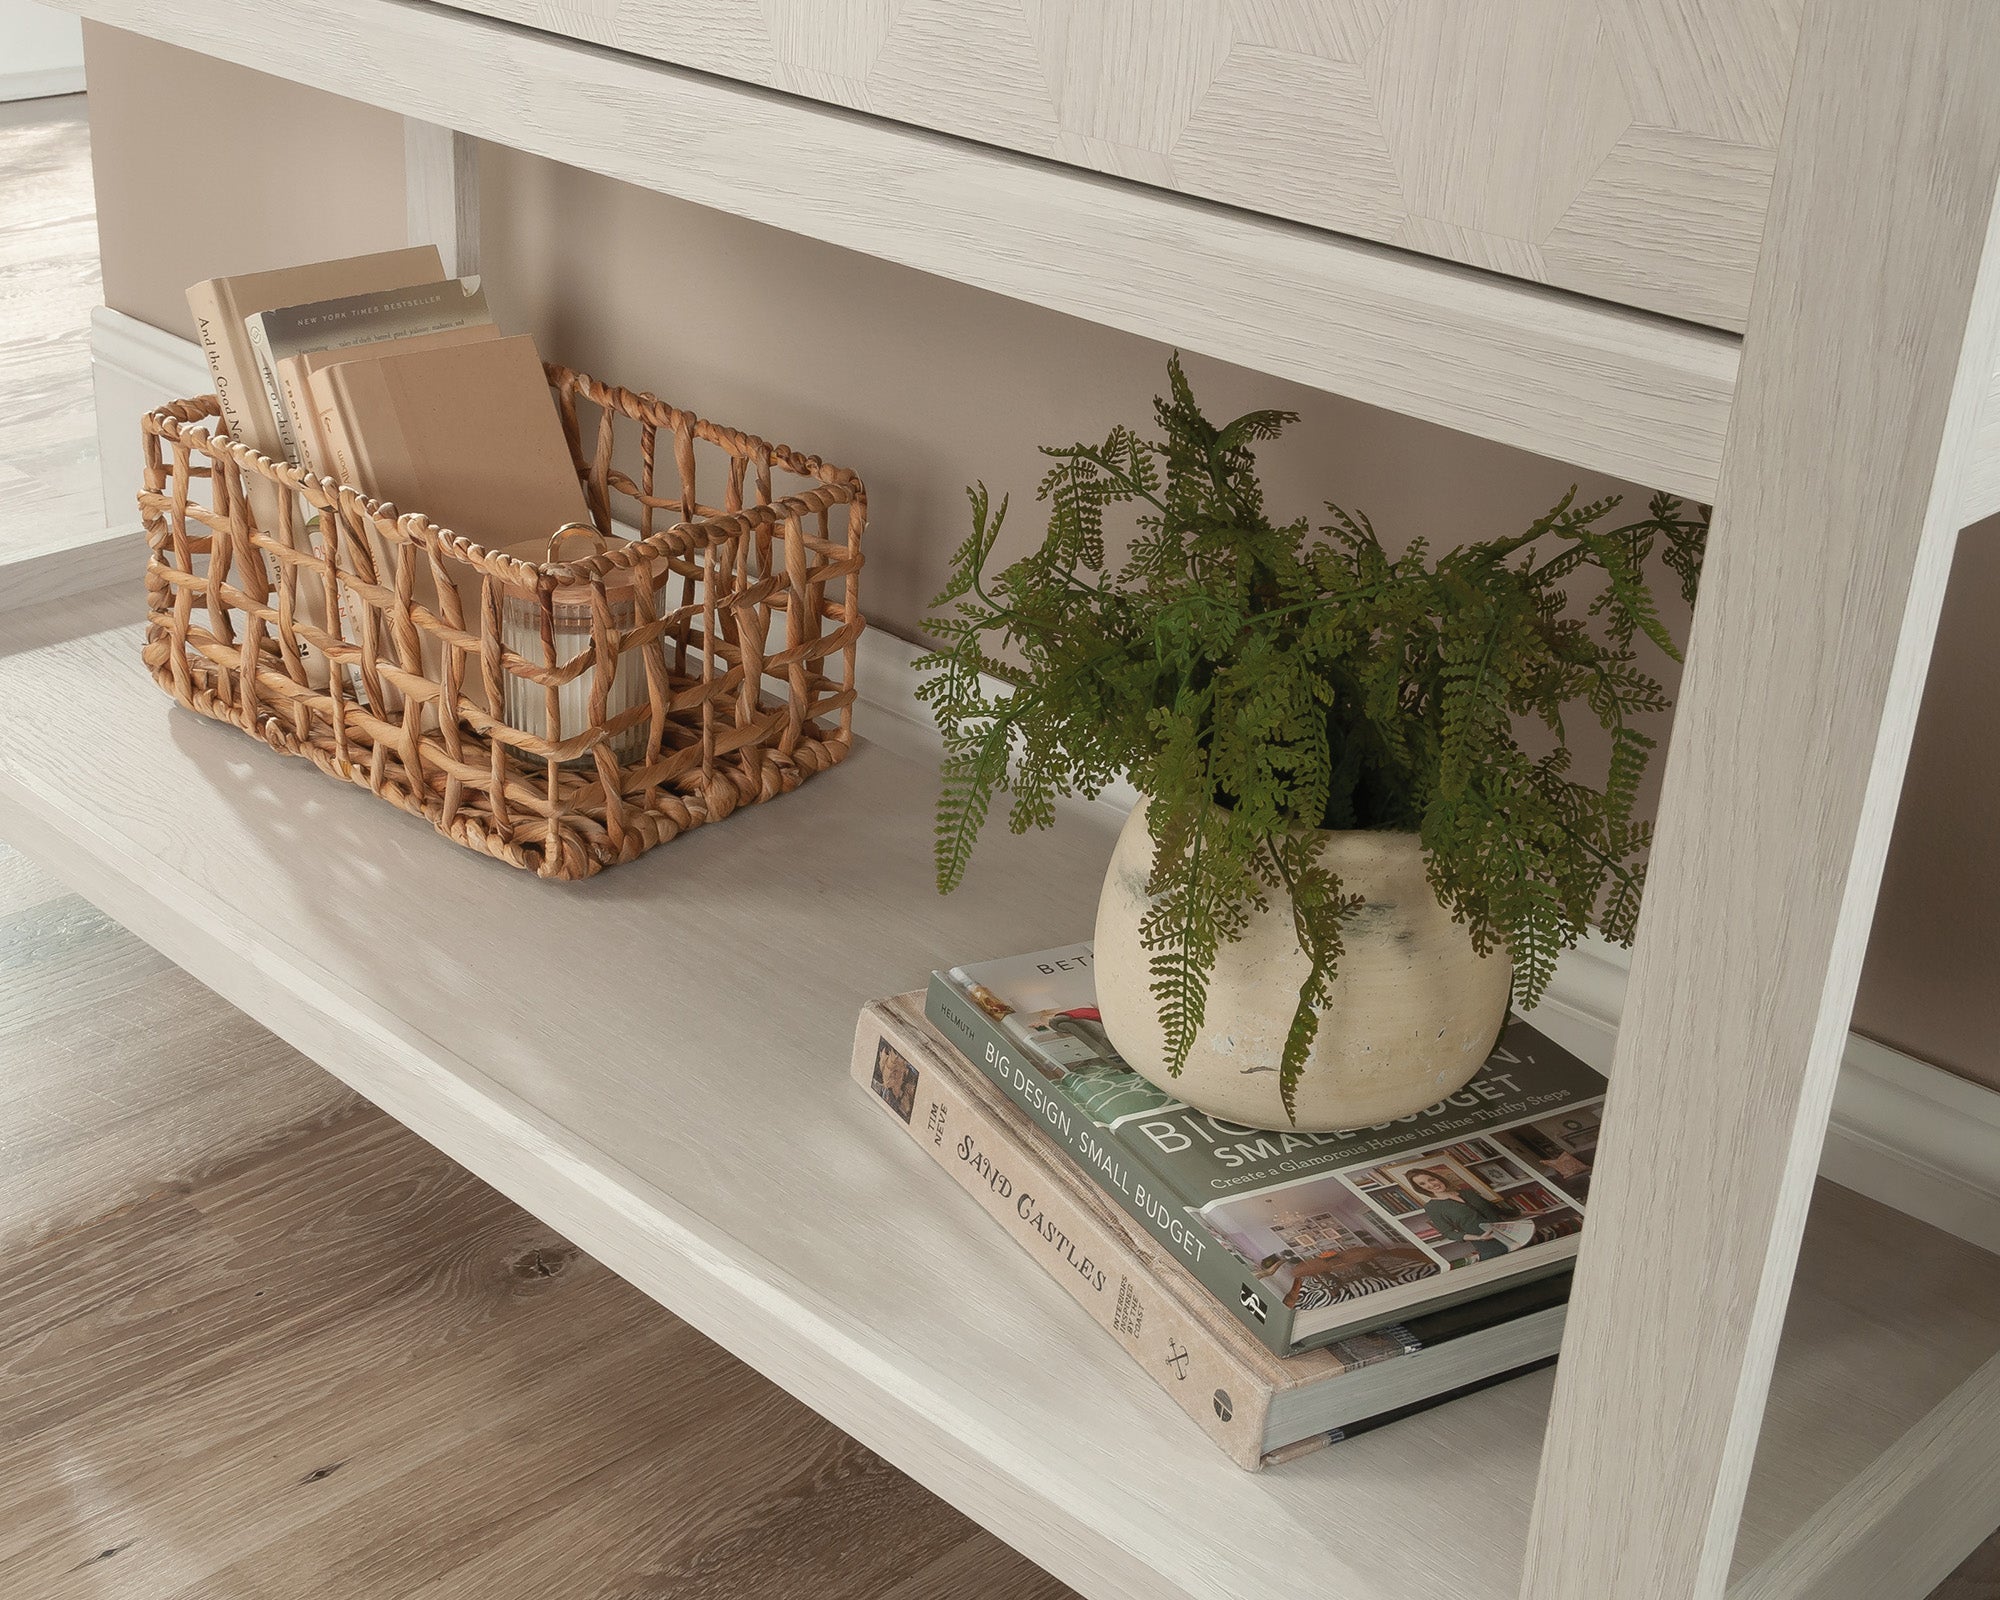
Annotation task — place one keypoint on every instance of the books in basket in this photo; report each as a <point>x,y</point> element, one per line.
<point>283,333</point>
<point>222,308</point>
<point>1305,1238</point>
<point>1257,1407</point>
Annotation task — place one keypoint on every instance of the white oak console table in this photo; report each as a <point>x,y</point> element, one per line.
<point>1739,249</point>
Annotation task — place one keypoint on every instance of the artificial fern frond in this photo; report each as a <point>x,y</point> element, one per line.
<point>971,773</point>
<point>968,561</point>
<point>1318,909</point>
<point>1198,905</point>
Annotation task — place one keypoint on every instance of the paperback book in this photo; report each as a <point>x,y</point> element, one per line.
<point>1305,1238</point>
<point>1260,1409</point>
<point>281,333</point>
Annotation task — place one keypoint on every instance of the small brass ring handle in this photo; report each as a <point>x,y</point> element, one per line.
<point>589,530</point>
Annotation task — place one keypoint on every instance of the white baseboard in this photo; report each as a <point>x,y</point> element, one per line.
<point>133,368</point>
<point>73,562</point>
<point>41,83</point>
<point>1903,1131</point>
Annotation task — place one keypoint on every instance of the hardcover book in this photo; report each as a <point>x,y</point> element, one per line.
<point>295,381</point>
<point>316,454</point>
<point>282,332</point>
<point>1258,1408</point>
<point>467,434</point>
<point>1304,1237</point>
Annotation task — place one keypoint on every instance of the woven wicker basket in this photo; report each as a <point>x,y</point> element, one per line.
<point>407,692</point>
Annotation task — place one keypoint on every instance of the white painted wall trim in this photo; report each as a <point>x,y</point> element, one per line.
<point>134,367</point>
<point>1903,1131</point>
<point>41,83</point>
<point>41,52</point>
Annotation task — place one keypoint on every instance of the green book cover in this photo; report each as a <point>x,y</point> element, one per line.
<point>1305,1237</point>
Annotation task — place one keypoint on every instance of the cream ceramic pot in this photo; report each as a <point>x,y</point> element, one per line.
<point>1415,1009</point>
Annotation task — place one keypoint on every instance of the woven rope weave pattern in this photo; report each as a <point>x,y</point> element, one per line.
<point>372,642</point>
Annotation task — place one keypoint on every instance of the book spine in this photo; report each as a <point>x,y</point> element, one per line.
<point>267,370</point>
<point>349,451</point>
<point>1097,1269</point>
<point>325,397</point>
<point>226,369</point>
<point>232,369</point>
<point>1138,1190</point>
<point>323,392</point>
<point>305,421</point>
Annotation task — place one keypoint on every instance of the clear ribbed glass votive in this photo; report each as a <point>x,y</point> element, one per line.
<point>571,623</point>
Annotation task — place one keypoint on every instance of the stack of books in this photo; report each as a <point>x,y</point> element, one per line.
<point>1287,1290</point>
<point>382,374</point>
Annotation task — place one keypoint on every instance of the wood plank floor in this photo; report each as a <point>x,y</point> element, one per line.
<point>1978,1578</point>
<point>48,285</point>
<point>260,1343</point>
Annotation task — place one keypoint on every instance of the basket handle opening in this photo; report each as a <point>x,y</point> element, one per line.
<point>571,530</point>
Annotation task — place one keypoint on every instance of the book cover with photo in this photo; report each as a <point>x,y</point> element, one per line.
<point>1305,1237</point>
<point>1260,1409</point>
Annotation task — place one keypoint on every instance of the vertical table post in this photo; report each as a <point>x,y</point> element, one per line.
<point>441,193</point>
<point>1869,348</point>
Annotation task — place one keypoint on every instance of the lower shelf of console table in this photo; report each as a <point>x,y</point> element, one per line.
<point>655,1063</point>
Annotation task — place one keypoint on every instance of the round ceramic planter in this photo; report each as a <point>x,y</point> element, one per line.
<point>1415,1009</point>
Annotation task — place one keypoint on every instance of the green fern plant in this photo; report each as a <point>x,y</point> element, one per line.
<point>1261,681</point>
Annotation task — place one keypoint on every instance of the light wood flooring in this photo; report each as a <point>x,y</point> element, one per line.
<point>258,1342</point>
<point>48,285</point>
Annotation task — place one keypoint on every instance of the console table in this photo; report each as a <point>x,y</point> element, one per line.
<point>1737,249</point>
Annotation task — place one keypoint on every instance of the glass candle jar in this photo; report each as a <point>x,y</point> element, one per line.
<point>572,624</point>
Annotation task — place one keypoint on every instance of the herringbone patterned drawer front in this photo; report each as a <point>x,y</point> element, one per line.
<point>1622,148</point>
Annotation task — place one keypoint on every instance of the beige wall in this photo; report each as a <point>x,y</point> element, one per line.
<point>206,163</point>
<point>922,386</point>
